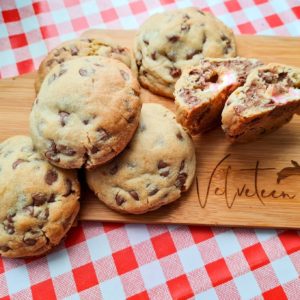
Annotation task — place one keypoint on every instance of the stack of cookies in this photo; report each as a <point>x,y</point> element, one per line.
<point>88,114</point>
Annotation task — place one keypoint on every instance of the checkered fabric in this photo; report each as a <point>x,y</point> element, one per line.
<point>114,261</point>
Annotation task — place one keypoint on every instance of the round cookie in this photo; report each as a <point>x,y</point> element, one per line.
<point>39,202</point>
<point>171,41</point>
<point>86,112</point>
<point>156,167</point>
<point>82,47</point>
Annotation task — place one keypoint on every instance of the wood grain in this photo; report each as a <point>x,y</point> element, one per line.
<point>242,190</point>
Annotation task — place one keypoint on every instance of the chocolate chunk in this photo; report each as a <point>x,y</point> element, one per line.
<point>29,241</point>
<point>153,55</point>
<point>180,181</point>
<point>74,50</point>
<point>17,162</point>
<point>69,190</point>
<point>153,192</point>
<point>119,199</point>
<point>65,150</point>
<point>179,136</point>
<point>39,199</point>
<point>192,54</point>
<point>173,38</point>
<point>51,176</point>
<point>4,248</point>
<point>94,149</point>
<point>103,135</point>
<point>85,122</point>
<point>125,75</point>
<point>175,72</point>
<point>161,164</point>
<point>52,152</point>
<point>63,117</point>
<point>114,169</point>
<point>134,195</point>
<point>282,76</point>
<point>214,78</point>
<point>50,62</point>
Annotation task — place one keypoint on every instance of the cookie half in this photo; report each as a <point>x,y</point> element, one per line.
<point>156,167</point>
<point>39,202</point>
<point>82,47</point>
<point>201,91</point>
<point>268,100</point>
<point>86,112</point>
<point>170,41</point>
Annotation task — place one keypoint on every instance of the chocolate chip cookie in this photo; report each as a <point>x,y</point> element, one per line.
<point>268,100</point>
<point>82,47</point>
<point>86,112</point>
<point>39,202</point>
<point>201,91</point>
<point>170,41</point>
<point>155,168</point>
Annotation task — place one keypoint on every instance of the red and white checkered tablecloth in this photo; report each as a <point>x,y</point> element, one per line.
<point>114,261</point>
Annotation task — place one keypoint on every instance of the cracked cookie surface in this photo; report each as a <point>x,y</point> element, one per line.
<point>268,100</point>
<point>86,112</point>
<point>170,41</point>
<point>155,168</point>
<point>82,47</point>
<point>39,202</point>
<point>202,90</point>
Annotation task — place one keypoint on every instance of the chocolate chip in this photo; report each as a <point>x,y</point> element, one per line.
<point>74,50</point>
<point>201,12</point>
<point>204,38</point>
<point>61,60</point>
<point>103,135</point>
<point>65,150</point>
<point>153,192</point>
<point>153,55</point>
<point>29,210</point>
<point>63,117</point>
<point>62,72</point>
<point>192,54</point>
<point>119,199</point>
<point>165,173</point>
<point>134,195</point>
<point>85,122</point>
<point>114,169</point>
<point>85,72</point>
<point>161,164</point>
<point>69,190</point>
<point>10,229</point>
<point>39,199</point>
<point>146,42</point>
<point>214,78</point>
<point>94,149</point>
<point>180,181</point>
<point>171,56</point>
<point>185,27</point>
<point>179,136</point>
<point>182,164</point>
<point>29,241</point>
<point>51,176</point>
<point>125,75</point>
<point>227,41</point>
<point>52,78</point>
<point>4,248</point>
<point>17,162</point>
<point>131,119</point>
<point>50,62</point>
<point>173,38</point>
<point>175,72</point>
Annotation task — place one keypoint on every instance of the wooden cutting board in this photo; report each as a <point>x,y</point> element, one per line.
<point>254,185</point>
